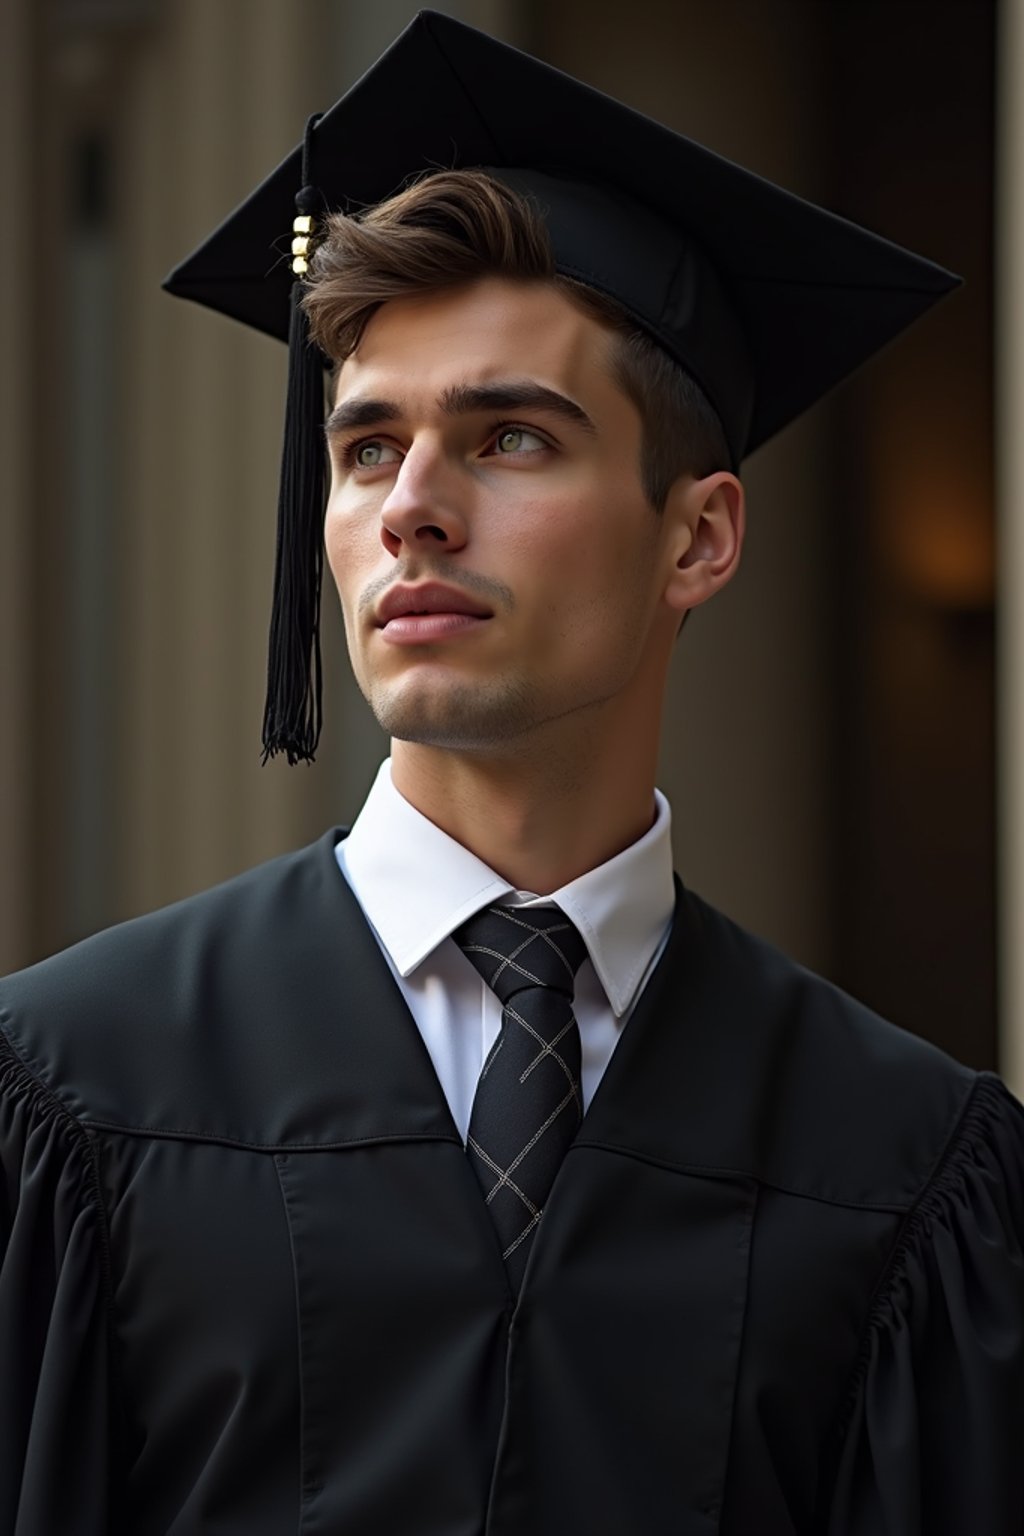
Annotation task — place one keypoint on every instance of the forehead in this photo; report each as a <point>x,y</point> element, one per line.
<point>490,329</point>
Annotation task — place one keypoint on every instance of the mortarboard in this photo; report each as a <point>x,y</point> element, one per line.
<point>765,299</point>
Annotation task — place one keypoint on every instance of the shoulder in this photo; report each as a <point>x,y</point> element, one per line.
<point>102,1023</point>
<point>798,1006</point>
<point>835,1101</point>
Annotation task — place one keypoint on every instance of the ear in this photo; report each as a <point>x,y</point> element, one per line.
<point>707,519</point>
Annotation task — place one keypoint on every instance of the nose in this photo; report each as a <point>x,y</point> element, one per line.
<point>421,511</point>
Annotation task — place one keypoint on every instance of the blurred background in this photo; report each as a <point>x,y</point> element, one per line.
<point>844,748</point>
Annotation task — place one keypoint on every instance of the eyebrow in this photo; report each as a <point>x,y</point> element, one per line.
<point>463,400</point>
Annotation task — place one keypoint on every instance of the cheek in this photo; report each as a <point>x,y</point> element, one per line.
<point>350,540</point>
<point>613,587</point>
<point>605,543</point>
<point>334,539</point>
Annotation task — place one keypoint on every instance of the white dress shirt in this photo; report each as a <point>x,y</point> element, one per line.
<point>416,884</point>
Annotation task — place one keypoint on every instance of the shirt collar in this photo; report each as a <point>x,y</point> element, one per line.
<point>622,908</point>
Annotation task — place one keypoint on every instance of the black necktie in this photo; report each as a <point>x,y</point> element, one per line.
<point>528,1102</point>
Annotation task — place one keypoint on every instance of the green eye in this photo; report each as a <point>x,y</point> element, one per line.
<point>368,455</point>
<point>518,440</point>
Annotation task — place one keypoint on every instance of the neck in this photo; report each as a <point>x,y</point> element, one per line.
<point>541,815</point>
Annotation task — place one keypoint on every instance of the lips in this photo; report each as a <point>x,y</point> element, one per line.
<point>431,597</point>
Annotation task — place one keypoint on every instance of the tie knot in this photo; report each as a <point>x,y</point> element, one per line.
<point>518,947</point>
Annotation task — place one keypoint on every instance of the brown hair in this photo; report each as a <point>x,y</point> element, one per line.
<point>451,227</point>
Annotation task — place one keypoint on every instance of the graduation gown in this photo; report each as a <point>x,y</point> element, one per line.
<point>249,1285</point>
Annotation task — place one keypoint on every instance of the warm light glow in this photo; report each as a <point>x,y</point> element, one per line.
<point>938,538</point>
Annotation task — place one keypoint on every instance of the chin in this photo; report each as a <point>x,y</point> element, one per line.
<point>456,715</point>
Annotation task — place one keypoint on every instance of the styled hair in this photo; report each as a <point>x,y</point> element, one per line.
<point>451,227</point>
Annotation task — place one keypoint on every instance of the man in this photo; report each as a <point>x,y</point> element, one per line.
<point>467,1174</point>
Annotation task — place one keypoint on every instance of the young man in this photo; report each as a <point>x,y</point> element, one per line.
<point>467,1174</point>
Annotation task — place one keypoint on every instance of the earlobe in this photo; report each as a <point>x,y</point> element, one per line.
<point>711,520</point>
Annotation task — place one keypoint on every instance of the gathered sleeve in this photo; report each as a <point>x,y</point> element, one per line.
<point>54,1341</point>
<point>932,1439</point>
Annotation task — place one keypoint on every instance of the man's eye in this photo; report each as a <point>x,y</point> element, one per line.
<point>518,440</point>
<point>371,455</point>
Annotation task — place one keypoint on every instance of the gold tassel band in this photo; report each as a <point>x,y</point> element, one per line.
<point>303,241</point>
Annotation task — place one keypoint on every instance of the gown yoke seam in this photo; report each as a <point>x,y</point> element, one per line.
<point>726,1171</point>
<point>242,1144</point>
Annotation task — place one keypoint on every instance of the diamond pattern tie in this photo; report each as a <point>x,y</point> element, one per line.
<point>528,1102</point>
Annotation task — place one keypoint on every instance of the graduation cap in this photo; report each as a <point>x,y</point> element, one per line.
<point>766,300</point>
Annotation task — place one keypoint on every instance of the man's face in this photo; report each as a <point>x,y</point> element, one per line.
<point>498,565</point>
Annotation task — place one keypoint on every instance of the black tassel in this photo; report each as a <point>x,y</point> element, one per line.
<point>294,709</point>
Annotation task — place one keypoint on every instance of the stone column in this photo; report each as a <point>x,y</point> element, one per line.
<point>204,398</point>
<point>1010,470</point>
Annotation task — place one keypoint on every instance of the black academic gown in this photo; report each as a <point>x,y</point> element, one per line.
<point>250,1287</point>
